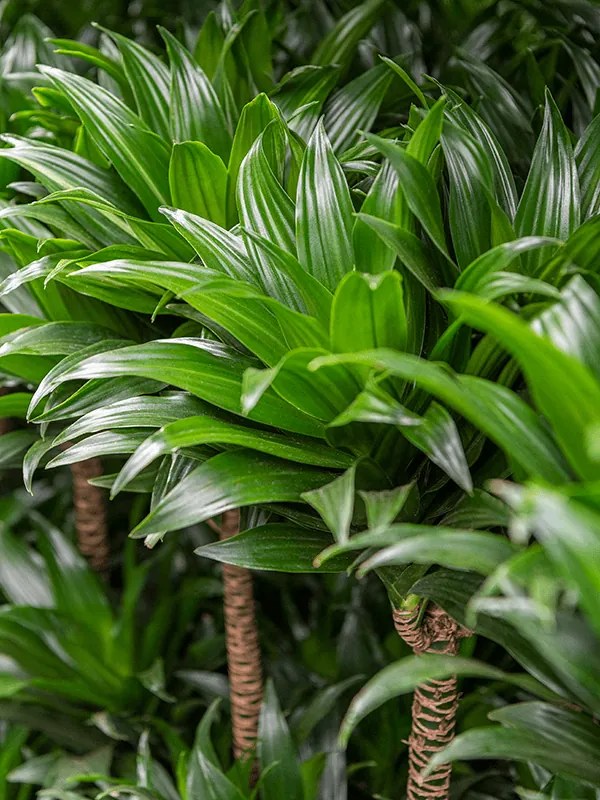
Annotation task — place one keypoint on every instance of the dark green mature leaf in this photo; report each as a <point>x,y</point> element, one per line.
<point>564,388</point>
<point>324,213</point>
<point>195,430</point>
<point>133,412</point>
<point>498,412</point>
<point>138,155</point>
<point>549,205</point>
<point>196,113</point>
<point>418,188</point>
<point>337,47</point>
<point>277,547</point>
<point>372,253</point>
<point>149,81</point>
<point>405,675</point>
<point>198,181</point>
<point>588,166</point>
<point>208,369</point>
<point>354,108</point>
<point>275,747</point>
<point>563,741</point>
<point>229,480</point>
<point>471,184</point>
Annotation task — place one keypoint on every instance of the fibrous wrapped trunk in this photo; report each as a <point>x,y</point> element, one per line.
<point>243,648</point>
<point>434,703</point>
<point>90,515</point>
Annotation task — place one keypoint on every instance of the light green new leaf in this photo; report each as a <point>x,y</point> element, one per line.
<point>368,312</point>
<point>198,181</point>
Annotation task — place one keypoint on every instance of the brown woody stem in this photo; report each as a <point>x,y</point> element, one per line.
<point>243,648</point>
<point>434,703</point>
<point>90,515</point>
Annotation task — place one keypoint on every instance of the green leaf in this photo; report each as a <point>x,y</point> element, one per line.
<point>409,248</point>
<point>438,437</point>
<point>368,312</point>
<point>207,369</point>
<point>498,412</point>
<point>355,107</point>
<point>276,547</point>
<point>335,503</point>
<point>275,747</point>
<point>14,405</point>
<point>149,81</point>
<point>138,155</point>
<point>266,209</point>
<point>323,213</point>
<point>372,252</point>
<point>549,205</point>
<point>588,166</point>
<point>403,676</point>
<point>198,181</point>
<point>339,44</point>
<point>465,550</point>
<point>195,430</point>
<point>563,388</point>
<point>196,113</point>
<point>562,741</point>
<point>229,480</point>
<point>418,188</point>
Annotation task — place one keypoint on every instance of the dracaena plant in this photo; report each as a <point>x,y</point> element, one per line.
<point>272,297</point>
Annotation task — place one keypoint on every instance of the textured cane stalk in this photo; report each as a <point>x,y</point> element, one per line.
<point>243,648</point>
<point>90,515</point>
<point>434,703</point>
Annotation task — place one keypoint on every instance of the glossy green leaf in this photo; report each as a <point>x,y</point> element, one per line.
<point>276,547</point>
<point>418,188</point>
<point>148,78</point>
<point>549,205</point>
<point>196,113</point>
<point>195,430</point>
<point>198,181</point>
<point>498,412</point>
<point>564,389</point>
<point>275,747</point>
<point>405,675</point>
<point>323,214</point>
<point>338,46</point>
<point>138,155</point>
<point>230,480</point>
<point>368,312</point>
